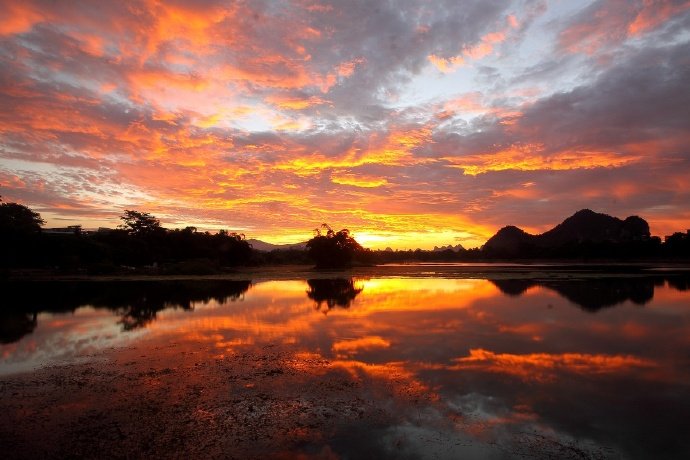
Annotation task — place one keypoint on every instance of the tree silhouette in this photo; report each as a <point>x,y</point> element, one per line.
<point>17,219</point>
<point>20,236</point>
<point>232,248</point>
<point>331,249</point>
<point>140,223</point>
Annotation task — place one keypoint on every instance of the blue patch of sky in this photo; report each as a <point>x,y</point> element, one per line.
<point>508,62</point>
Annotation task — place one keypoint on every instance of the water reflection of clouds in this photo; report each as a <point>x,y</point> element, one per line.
<point>137,303</point>
<point>470,314</point>
<point>405,335</point>
<point>458,359</point>
<point>546,366</point>
<point>60,338</point>
<point>350,347</point>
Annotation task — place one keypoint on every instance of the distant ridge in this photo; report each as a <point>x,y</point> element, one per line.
<point>267,247</point>
<point>450,247</point>
<point>585,226</point>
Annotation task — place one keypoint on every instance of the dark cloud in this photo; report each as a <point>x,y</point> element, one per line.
<point>641,99</point>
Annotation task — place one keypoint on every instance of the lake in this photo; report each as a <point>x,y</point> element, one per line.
<point>430,366</point>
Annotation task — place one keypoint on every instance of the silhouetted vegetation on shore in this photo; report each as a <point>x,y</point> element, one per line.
<point>331,249</point>
<point>141,245</point>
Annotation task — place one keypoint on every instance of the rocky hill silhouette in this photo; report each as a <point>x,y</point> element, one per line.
<point>583,227</point>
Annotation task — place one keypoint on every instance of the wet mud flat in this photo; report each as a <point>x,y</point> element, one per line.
<point>272,401</point>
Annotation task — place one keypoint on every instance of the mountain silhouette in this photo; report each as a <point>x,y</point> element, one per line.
<point>585,226</point>
<point>510,241</point>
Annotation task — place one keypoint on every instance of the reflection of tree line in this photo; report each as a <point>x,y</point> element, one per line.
<point>589,294</point>
<point>593,294</point>
<point>332,293</point>
<point>136,302</point>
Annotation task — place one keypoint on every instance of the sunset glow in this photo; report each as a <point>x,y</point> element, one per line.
<point>413,124</point>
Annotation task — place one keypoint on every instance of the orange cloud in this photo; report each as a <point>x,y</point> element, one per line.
<point>477,51</point>
<point>446,65</point>
<point>531,157</point>
<point>358,180</point>
<point>392,148</point>
<point>347,68</point>
<point>294,103</point>
<point>342,70</point>
<point>187,24</point>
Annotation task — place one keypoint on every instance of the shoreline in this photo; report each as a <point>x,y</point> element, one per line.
<point>503,269</point>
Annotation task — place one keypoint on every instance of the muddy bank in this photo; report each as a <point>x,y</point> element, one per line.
<point>139,403</point>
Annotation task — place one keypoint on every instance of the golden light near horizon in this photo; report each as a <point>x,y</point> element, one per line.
<point>431,126</point>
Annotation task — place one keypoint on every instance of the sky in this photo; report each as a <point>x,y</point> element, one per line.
<point>412,123</point>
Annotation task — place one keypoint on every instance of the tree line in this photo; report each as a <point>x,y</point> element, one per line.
<point>141,243</point>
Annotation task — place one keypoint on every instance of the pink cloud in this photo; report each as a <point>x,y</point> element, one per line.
<point>611,22</point>
<point>19,17</point>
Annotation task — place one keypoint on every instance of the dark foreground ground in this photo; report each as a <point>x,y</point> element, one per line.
<point>134,405</point>
<point>265,403</point>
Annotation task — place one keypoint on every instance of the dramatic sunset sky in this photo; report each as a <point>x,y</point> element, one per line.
<point>413,123</point>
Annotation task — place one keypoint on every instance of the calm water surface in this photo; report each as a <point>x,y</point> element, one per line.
<point>380,367</point>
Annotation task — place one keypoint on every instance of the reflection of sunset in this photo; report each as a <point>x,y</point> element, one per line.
<point>286,313</point>
<point>393,285</point>
<point>543,366</point>
<point>453,357</point>
<point>348,347</point>
<point>399,294</point>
